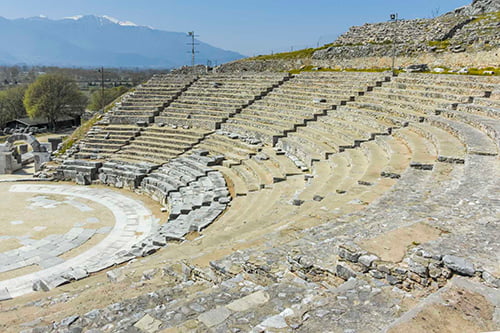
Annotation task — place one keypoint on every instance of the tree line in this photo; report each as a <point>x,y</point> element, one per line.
<point>52,96</point>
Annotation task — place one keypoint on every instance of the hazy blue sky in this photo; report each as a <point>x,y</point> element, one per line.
<point>249,27</point>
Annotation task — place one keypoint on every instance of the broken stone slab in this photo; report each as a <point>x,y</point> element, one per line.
<point>40,285</point>
<point>344,272</point>
<point>276,322</point>
<point>417,68</point>
<point>459,265</point>
<point>245,303</point>
<point>4,294</point>
<point>149,274</point>
<point>142,123</point>
<point>261,157</point>
<point>115,275</point>
<point>69,320</point>
<point>82,179</point>
<point>214,317</point>
<point>148,324</point>
<point>350,251</point>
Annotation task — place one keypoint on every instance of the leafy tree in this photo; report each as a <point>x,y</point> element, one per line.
<point>97,100</point>
<point>11,104</point>
<point>52,96</point>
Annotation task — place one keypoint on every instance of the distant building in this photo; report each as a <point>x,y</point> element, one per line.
<point>41,122</point>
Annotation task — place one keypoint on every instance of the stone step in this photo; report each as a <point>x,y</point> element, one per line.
<point>422,150</point>
<point>248,176</point>
<point>448,147</point>
<point>235,182</point>
<point>398,110</point>
<point>483,110</point>
<point>475,141</point>
<point>262,132</point>
<point>488,125</point>
<point>399,156</point>
<point>263,177</point>
<point>433,88</point>
<point>420,96</point>
<point>306,153</point>
<point>287,167</point>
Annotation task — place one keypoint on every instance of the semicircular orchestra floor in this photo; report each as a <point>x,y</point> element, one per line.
<point>52,234</point>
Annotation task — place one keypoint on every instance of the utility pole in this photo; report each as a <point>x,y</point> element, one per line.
<point>394,19</point>
<point>192,43</point>
<point>101,70</point>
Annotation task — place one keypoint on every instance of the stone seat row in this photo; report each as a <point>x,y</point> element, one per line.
<point>159,144</point>
<point>102,141</point>
<point>177,173</point>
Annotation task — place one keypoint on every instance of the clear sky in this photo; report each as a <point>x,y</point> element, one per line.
<point>250,27</point>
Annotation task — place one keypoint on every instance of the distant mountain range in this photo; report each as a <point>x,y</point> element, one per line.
<point>90,41</point>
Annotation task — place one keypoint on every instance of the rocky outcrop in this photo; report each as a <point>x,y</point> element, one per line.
<point>479,7</point>
<point>452,33</point>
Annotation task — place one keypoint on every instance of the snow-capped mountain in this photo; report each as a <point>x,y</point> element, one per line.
<point>90,40</point>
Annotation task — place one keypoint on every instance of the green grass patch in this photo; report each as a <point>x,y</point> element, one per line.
<point>79,133</point>
<point>306,53</point>
<point>472,71</point>
<point>495,16</point>
<point>82,130</point>
<point>440,44</point>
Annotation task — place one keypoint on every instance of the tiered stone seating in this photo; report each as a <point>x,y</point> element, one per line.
<point>157,144</point>
<point>196,206</point>
<point>257,172</point>
<point>177,173</point>
<point>103,141</point>
<point>195,193</point>
<point>298,101</point>
<point>412,97</point>
<point>80,171</point>
<point>123,174</point>
<point>214,98</point>
<point>149,99</point>
<point>376,171</point>
<point>233,147</point>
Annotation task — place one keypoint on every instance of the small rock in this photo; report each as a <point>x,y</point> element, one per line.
<point>149,274</point>
<point>344,272</point>
<point>367,259</point>
<point>318,197</point>
<point>69,320</point>
<point>459,265</point>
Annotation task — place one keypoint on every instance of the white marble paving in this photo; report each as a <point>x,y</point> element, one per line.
<point>133,223</point>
